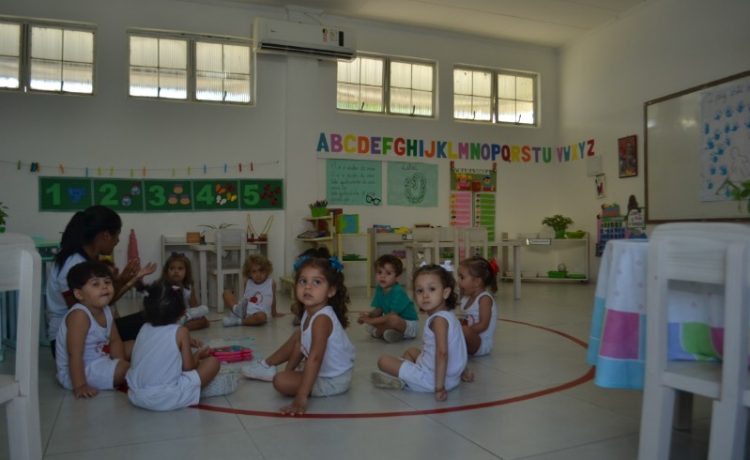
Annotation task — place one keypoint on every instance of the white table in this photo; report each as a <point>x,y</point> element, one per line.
<point>202,250</point>
<point>516,245</point>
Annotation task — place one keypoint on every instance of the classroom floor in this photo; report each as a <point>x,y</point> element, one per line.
<point>527,402</point>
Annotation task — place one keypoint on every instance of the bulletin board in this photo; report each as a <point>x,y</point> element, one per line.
<point>696,140</point>
<point>354,182</point>
<point>473,198</point>
<point>412,184</point>
<point>159,195</point>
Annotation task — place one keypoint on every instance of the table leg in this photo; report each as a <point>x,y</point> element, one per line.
<point>683,411</point>
<point>516,272</point>
<point>204,277</point>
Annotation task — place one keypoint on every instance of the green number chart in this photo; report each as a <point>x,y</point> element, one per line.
<point>64,194</point>
<point>159,195</point>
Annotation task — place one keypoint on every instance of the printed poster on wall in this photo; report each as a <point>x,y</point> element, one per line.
<point>354,182</point>
<point>412,184</point>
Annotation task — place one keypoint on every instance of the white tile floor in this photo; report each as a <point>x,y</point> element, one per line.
<point>582,422</point>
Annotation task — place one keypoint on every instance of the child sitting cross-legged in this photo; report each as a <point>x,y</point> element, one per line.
<point>166,374</point>
<point>258,303</point>
<point>393,316</point>
<point>177,272</point>
<point>321,340</point>
<point>83,364</point>
<point>441,363</point>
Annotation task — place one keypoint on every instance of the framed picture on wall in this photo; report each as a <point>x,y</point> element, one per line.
<point>627,154</point>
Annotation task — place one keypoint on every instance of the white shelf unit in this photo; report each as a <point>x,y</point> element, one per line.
<point>317,224</point>
<point>573,252</point>
<point>356,243</point>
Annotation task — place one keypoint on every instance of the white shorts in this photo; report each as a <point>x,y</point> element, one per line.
<point>100,374</point>
<point>329,386</point>
<point>485,347</point>
<point>184,392</point>
<point>253,308</point>
<point>420,379</point>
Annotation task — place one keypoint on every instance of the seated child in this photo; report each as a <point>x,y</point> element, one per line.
<point>165,373</point>
<point>83,365</point>
<point>441,363</point>
<point>321,339</point>
<point>393,317</point>
<point>258,303</point>
<point>478,282</point>
<point>177,272</point>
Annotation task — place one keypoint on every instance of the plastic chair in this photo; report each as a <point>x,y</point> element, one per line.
<point>21,269</point>
<point>231,248</point>
<point>709,254</point>
<point>473,241</point>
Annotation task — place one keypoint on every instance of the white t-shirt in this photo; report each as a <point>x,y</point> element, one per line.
<point>457,354</point>
<point>339,355</point>
<point>472,316</point>
<point>93,347</point>
<point>56,285</point>
<point>261,295</point>
<point>156,358</point>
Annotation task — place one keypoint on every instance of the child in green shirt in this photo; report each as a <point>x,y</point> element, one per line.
<point>393,317</point>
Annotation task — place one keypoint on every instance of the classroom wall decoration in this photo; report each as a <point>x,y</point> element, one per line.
<point>473,198</point>
<point>412,184</point>
<point>159,195</point>
<point>354,182</point>
<point>380,147</point>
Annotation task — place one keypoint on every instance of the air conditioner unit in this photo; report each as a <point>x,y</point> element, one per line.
<point>317,41</point>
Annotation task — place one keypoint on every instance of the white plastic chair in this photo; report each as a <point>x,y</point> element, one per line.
<point>231,248</point>
<point>714,254</point>
<point>21,269</point>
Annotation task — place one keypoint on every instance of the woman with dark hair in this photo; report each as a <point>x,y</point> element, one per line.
<point>90,233</point>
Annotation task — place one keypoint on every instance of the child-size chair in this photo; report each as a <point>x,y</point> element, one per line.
<point>230,251</point>
<point>712,259</point>
<point>20,270</point>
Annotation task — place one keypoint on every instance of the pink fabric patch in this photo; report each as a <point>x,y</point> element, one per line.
<point>621,335</point>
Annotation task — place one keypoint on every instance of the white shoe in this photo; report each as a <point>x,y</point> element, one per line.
<point>222,384</point>
<point>386,381</point>
<point>231,320</point>
<point>372,331</point>
<point>197,312</point>
<point>259,370</point>
<point>240,309</point>
<point>392,336</point>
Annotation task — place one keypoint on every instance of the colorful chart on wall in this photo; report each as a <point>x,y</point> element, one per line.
<point>159,195</point>
<point>354,182</point>
<point>461,209</point>
<point>412,184</point>
<point>473,198</point>
<point>484,212</point>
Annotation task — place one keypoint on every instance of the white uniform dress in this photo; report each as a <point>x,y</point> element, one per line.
<point>420,376</point>
<point>472,316</point>
<point>57,284</point>
<point>335,372</point>
<point>259,297</point>
<point>156,380</point>
<point>99,368</point>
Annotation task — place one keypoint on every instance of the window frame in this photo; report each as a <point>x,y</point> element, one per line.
<point>24,67</point>
<point>494,96</point>
<point>191,64</point>
<point>386,86</point>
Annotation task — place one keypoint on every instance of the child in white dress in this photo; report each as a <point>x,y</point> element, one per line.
<point>258,302</point>
<point>166,374</point>
<point>477,280</point>
<point>321,339</point>
<point>441,363</point>
<point>90,354</point>
<point>177,272</point>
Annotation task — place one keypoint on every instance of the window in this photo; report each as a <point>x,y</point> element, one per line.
<point>190,68</point>
<point>512,99</point>
<point>48,57</point>
<point>360,86</point>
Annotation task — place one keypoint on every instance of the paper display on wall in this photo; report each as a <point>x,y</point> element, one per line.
<point>412,184</point>
<point>473,198</point>
<point>354,182</point>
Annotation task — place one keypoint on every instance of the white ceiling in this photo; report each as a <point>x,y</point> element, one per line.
<point>543,22</point>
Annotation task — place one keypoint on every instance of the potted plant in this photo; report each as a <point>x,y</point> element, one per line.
<point>740,192</point>
<point>559,224</point>
<point>3,216</point>
<point>319,208</point>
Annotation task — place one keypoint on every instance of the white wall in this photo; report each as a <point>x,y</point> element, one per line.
<point>605,77</point>
<point>295,102</point>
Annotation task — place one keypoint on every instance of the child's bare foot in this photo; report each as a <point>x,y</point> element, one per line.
<point>467,375</point>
